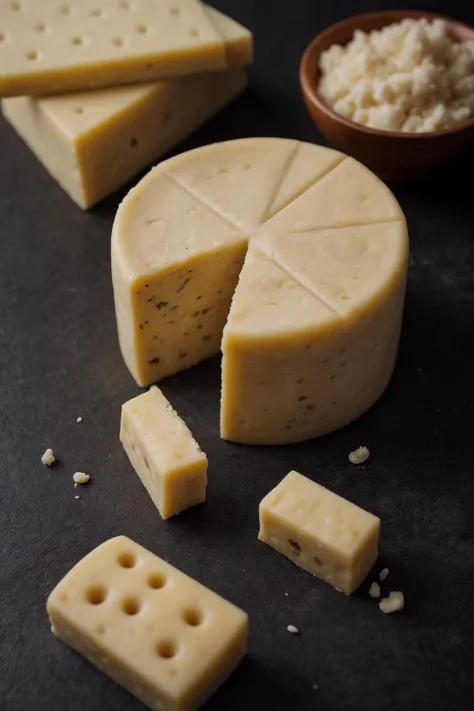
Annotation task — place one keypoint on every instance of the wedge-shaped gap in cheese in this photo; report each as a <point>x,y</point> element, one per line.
<point>350,194</point>
<point>309,164</point>
<point>237,179</point>
<point>348,268</point>
<point>184,44</point>
<point>154,653</point>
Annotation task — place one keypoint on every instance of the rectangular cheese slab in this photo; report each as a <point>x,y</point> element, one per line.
<point>320,531</point>
<point>93,142</point>
<point>52,47</point>
<point>163,452</point>
<point>167,639</point>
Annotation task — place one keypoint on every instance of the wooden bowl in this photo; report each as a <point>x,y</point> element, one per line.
<point>391,155</point>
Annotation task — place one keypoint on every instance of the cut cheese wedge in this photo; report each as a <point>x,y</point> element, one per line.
<point>49,47</point>
<point>308,165</point>
<point>219,175</point>
<point>93,142</point>
<point>348,195</point>
<point>311,337</point>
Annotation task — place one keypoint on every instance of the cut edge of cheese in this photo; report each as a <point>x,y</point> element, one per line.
<point>351,267</point>
<point>219,175</point>
<point>348,195</point>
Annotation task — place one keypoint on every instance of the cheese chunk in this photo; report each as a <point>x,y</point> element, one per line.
<point>167,639</point>
<point>311,338</point>
<point>51,48</point>
<point>93,142</point>
<point>321,532</point>
<point>163,453</point>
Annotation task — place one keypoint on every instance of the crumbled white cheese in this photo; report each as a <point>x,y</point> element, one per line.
<point>393,603</point>
<point>383,574</point>
<point>76,497</point>
<point>79,419</point>
<point>81,478</point>
<point>292,629</point>
<point>359,455</point>
<point>48,458</point>
<point>286,594</point>
<point>374,590</point>
<point>410,76</point>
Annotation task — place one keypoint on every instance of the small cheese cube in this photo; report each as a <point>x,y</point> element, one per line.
<point>164,454</point>
<point>320,531</point>
<point>167,639</point>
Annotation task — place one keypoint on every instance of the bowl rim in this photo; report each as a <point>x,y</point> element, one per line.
<point>312,54</point>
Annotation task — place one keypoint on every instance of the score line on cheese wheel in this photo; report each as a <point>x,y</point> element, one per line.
<point>289,257</point>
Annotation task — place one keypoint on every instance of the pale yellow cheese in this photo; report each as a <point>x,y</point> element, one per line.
<point>313,330</point>
<point>93,142</point>
<point>49,47</point>
<point>167,639</point>
<point>163,452</point>
<point>321,532</point>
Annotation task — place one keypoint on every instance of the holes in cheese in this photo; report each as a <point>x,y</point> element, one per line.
<point>150,641</point>
<point>127,560</point>
<point>96,594</point>
<point>156,581</point>
<point>125,58</point>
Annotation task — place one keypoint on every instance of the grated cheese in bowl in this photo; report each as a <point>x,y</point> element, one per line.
<point>409,77</point>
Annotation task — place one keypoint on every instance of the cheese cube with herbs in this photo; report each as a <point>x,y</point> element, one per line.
<point>319,531</point>
<point>163,452</point>
<point>52,47</point>
<point>289,257</point>
<point>160,634</point>
<point>92,142</point>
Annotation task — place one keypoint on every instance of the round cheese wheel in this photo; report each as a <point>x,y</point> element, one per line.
<point>289,257</point>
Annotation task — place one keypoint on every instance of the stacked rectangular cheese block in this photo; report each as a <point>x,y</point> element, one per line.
<point>100,92</point>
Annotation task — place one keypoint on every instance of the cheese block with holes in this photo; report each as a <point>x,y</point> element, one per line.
<point>93,142</point>
<point>167,639</point>
<point>163,452</point>
<point>310,340</point>
<point>321,532</point>
<point>53,47</point>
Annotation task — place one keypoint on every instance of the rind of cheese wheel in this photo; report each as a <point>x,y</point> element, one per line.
<point>312,334</point>
<point>50,49</point>
<point>93,142</point>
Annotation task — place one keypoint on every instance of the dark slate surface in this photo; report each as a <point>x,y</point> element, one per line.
<point>59,359</point>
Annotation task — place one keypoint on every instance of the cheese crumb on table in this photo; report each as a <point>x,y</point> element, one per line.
<point>410,76</point>
<point>292,629</point>
<point>81,478</point>
<point>374,590</point>
<point>79,419</point>
<point>393,603</point>
<point>383,574</point>
<point>48,458</point>
<point>359,455</point>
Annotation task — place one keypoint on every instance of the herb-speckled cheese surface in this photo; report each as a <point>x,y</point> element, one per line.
<point>163,452</point>
<point>92,142</point>
<point>163,636</point>
<point>320,531</point>
<point>306,247</point>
